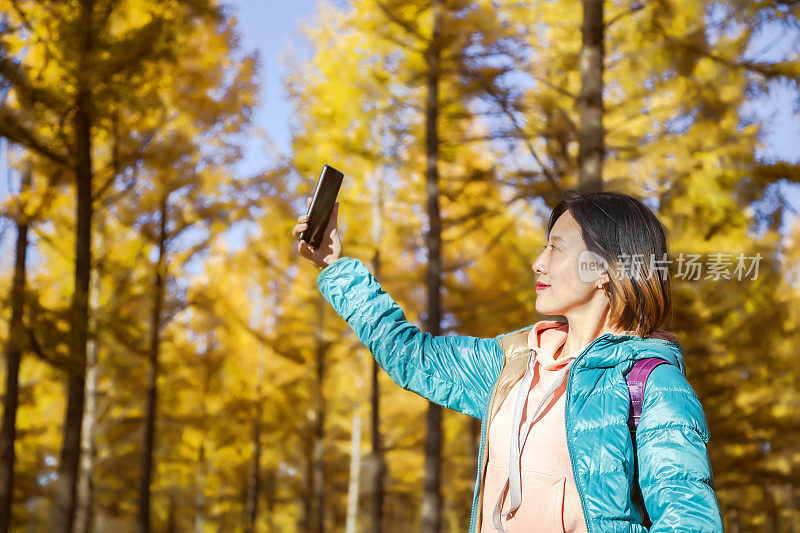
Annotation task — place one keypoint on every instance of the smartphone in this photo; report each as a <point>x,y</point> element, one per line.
<point>319,212</point>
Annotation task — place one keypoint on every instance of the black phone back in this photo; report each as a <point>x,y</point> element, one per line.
<point>319,212</point>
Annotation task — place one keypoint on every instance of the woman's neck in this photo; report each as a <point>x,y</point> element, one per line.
<point>577,339</point>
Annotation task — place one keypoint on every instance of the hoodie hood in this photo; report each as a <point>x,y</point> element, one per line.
<point>609,349</point>
<point>545,338</point>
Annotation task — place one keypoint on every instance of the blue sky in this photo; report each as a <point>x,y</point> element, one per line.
<point>271,27</point>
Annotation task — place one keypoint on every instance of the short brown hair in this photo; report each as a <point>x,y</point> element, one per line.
<point>616,227</point>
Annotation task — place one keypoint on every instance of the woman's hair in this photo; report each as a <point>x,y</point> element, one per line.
<point>626,234</point>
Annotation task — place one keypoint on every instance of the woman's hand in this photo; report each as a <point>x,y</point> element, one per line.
<point>331,247</point>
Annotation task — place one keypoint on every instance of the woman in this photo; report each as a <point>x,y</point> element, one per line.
<point>557,454</point>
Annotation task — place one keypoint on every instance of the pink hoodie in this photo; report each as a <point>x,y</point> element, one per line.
<point>546,485</point>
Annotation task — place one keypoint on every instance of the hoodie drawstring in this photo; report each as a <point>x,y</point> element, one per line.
<point>518,439</point>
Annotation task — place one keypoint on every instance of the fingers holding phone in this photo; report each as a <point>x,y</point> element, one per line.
<point>331,247</point>
<point>318,230</point>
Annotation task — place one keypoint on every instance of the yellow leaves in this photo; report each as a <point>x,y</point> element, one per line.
<point>129,16</point>
<point>245,324</point>
<point>192,439</point>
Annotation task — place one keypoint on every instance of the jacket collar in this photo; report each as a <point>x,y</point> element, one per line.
<point>609,349</point>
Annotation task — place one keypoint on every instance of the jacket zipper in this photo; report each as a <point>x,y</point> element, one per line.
<point>568,427</point>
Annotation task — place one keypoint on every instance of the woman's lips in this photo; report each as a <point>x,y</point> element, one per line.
<point>540,286</point>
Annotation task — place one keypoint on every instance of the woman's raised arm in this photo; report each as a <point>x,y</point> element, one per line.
<point>453,371</point>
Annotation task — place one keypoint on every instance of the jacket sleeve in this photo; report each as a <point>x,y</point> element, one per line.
<point>674,467</point>
<point>457,372</point>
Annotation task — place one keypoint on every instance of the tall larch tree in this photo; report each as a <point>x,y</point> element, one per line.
<point>61,96</point>
<point>395,82</point>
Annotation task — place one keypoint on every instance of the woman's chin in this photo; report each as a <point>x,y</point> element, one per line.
<point>545,309</point>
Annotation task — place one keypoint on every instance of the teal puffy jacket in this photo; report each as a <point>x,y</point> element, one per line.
<point>470,374</point>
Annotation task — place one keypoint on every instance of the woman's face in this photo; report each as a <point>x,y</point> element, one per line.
<point>557,267</point>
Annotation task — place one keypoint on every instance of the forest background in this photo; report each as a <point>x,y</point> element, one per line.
<point>168,362</point>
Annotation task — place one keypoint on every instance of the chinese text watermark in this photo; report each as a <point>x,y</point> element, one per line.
<point>688,266</point>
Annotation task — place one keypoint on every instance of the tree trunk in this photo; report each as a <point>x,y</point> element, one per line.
<point>83,511</point>
<point>159,280</point>
<point>304,519</point>
<point>431,497</point>
<point>771,508</point>
<point>14,346</point>
<point>65,493</point>
<point>199,492</point>
<point>271,489</point>
<point>254,491</point>
<point>319,433</point>
<point>355,471</point>
<point>590,102</point>
<point>377,459</point>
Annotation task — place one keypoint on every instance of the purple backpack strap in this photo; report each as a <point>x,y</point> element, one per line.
<point>637,379</point>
